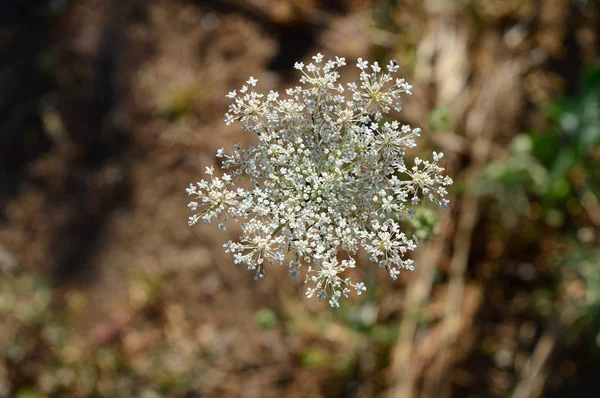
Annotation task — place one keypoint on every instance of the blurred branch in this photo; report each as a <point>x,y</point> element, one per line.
<point>401,374</point>
<point>590,203</point>
<point>499,79</point>
<point>534,372</point>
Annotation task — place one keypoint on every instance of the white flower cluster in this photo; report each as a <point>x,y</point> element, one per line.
<point>327,176</point>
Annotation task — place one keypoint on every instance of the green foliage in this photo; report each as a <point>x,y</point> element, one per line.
<point>28,394</point>
<point>582,271</point>
<point>440,119</point>
<point>556,167</point>
<point>554,171</point>
<point>181,102</point>
<point>36,325</point>
<point>425,222</point>
<point>512,181</point>
<point>266,318</point>
<point>315,357</point>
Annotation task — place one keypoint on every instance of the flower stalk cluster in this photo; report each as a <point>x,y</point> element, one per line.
<point>327,177</point>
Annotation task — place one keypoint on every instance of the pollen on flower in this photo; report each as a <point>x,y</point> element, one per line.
<point>328,176</point>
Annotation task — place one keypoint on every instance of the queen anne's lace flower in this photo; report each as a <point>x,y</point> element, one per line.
<point>328,175</point>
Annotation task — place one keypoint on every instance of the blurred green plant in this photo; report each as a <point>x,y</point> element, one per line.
<point>440,119</point>
<point>266,318</point>
<point>181,101</point>
<point>425,222</point>
<point>556,168</point>
<point>315,357</point>
<point>554,176</point>
<point>581,288</point>
<point>45,356</point>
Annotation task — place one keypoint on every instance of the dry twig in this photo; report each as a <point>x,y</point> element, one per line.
<point>503,77</point>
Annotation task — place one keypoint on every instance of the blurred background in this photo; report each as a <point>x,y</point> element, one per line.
<point>109,109</point>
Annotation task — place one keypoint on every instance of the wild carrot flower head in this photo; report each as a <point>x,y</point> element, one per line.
<point>328,175</point>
